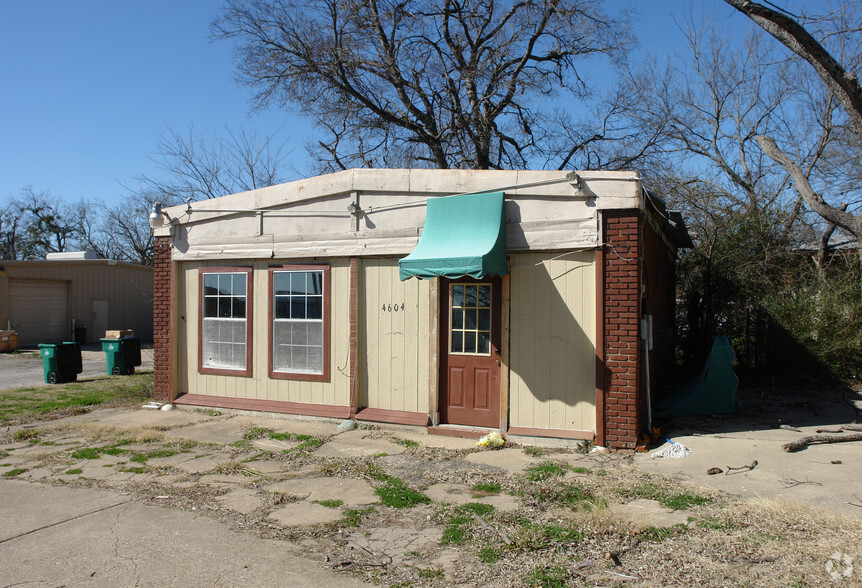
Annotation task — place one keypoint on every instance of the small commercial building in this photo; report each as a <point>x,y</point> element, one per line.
<point>536,303</point>
<point>74,297</point>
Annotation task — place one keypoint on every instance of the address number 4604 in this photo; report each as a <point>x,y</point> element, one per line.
<point>392,307</point>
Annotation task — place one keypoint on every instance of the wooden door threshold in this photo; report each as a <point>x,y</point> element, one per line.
<point>462,431</point>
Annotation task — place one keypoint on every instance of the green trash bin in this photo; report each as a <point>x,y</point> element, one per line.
<point>121,355</point>
<point>61,362</point>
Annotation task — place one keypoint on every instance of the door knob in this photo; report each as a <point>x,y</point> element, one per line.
<point>498,363</point>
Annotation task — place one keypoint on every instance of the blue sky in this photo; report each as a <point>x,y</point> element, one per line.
<point>90,85</point>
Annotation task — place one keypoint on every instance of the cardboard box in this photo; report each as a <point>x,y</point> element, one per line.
<point>8,341</point>
<point>119,334</point>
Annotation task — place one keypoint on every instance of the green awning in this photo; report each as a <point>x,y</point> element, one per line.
<point>463,236</point>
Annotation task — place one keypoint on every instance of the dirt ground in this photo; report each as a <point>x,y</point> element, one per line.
<point>397,508</point>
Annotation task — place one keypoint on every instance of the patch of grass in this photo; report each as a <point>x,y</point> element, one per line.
<point>409,443</point>
<point>14,472</point>
<point>547,577</point>
<point>398,495</point>
<point>581,470</point>
<point>22,405</point>
<point>135,469</point>
<point>74,471</point>
<point>486,488</point>
<point>3,454</point>
<point>381,454</point>
<point>353,516</point>
<point>543,471</point>
<point>489,555</point>
<point>658,534</point>
<point>479,508</point>
<point>715,524</point>
<point>429,573</point>
<point>648,490</point>
<point>306,442</point>
<point>143,457</point>
<point>208,411</point>
<point>330,503</point>
<point>456,531</point>
<point>534,451</point>
<point>26,435</point>
<point>682,501</point>
<point>86,453</point>
<point>570,494</point>
<point>534,536</point>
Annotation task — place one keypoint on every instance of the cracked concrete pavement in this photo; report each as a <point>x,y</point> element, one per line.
<point>220,510</point>
<point>54,536</point>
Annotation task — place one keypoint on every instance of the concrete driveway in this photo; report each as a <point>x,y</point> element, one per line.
<point>24,369</point>
<point>824,475</point>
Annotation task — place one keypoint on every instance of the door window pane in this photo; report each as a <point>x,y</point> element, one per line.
<point>470,324</point>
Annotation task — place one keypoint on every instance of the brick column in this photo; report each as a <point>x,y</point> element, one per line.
<point>162,332</point>
<point>621,373</point>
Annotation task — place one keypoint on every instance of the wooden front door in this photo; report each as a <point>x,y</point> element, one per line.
<point>470,351</point>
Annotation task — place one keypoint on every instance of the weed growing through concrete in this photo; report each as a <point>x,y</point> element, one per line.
<point>330,503</point>
<point>14,472</point>
<point>534,451</point>
<point>429,573</point>
<point>86,453</point>
<point>457,530</point>
<point>398,495</point>
<point>485,488</point>
<point>306,442</point>
<point>143,457</point>
<point>353,516</point>
<point>26,435</point>
<point>74,471</point>
<point>409,443</point>
<point>135,469</point>
<point>543,471</point>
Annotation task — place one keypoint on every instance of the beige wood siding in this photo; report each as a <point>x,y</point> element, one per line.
<point>260,386</point>
<point>393,341</point>
<point>552,337</point>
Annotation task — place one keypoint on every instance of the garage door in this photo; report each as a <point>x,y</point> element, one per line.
<point>39,311</point>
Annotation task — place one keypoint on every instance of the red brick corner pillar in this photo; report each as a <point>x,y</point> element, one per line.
<point>621,326</point>
<point>162,333</point>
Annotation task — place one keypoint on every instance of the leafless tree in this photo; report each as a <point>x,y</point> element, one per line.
<point>842,84</point>
<point>438,83</point>
<point>195,168</point>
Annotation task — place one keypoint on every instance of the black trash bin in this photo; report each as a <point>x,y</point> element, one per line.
<point>121,355</point>
<point>61,362</point>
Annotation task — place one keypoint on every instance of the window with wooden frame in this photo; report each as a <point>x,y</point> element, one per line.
<point>470,320</point>
<point>299,322</point>
<point>224,339</point>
